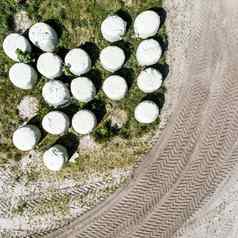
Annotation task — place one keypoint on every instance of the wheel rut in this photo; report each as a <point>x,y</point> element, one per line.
<point>196,150</point>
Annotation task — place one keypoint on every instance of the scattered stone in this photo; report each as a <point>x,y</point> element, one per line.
<point>146,112</point>
<point>13,42</point>
<point>112,58</point>
<point>23,76</point>
<point>146,24</point>
<point>115,87</point>
<point>50,65</point>
<point>83,89</point>
<point>78,61</point>
<point>26,138</point>
<point>43,36</point>
<point>148,52</point>
<point>22,21</point>
<point>84,121</point>
<point>28,107</point>
<point>113,28</point>
<point>118,118</point>
<point>87,143</point>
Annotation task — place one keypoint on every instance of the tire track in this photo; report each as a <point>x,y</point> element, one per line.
<point>194,154</point>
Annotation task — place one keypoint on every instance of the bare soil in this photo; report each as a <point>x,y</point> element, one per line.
<point>198,148</point>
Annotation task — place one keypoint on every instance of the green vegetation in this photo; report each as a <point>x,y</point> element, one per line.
<point>78,24</point>
<point>105,132</point>
<point>23,57</point>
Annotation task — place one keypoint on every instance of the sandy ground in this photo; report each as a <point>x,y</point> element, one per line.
<point>219,216</point>
<point>182,187</point>
<point>198,148</point>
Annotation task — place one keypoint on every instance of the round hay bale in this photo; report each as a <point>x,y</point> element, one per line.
<point>23,76</point>
<point>56,123</point>
<point>13,42</point>
<point>146,24</point>
<point>78,61</point>
<point>55,93</point>
<point>83,89</point>
<point>84,121</point>
<point>148,52</point>
<point>55,157</point>
<point>43,36</point>
<point>112,58</point>
<point>146,112</point>
<point>149,80</point>
<point>50,65</point>
<point>26,138</point>
<point>115,87</point>
<point>113,28</point>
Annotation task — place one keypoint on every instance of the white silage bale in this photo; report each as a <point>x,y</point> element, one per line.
<point>50,65</point>
<point>23,76</point>
<point>26,138</point>
<point>13,42</point>
<point>112,58</point>
<point>146,112</point>
<point>113,28</point>
<point>146,24</point>
<point>148,52</point>
<point>43,36</point>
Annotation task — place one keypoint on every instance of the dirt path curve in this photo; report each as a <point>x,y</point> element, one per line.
<point>196,150</point>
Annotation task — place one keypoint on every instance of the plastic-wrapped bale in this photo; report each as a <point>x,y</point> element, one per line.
<point>43,36</point>
<point>56,93</point>
<point>149,80</point>
<point>146,24</point>
<point>55,157</point>
<point>148,52</point>
<point>146,112</point>
<point>23,76</point>
<point>83,89</point>
<point>78,61</point>
<point>50,65</point>
<point>13,42</point>
<point>115,87</point>
<point>26,138</point>
<point>112,58</point>
<point>84,121</point>
<point>56,123</point>
<point>113,28</point>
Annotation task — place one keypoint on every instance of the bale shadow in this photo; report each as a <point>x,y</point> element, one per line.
<point>125,46</point>
<point>71,143</point>
<point>161,12</point>
<point>92,49</point>
<point>163,69</point>
<point>56,25</point>
<point>125,16</point>
<point>128,74</point>
<point>37,121</point>
<point>98,107</point>
<point>164,43</point>
<point>157,97</point>
<point>71,109</point>
<point>105,132</point>
<point>96,77</point>
<point>62,51</point>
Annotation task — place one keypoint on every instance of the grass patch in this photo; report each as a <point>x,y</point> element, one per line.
<point>78,24</point>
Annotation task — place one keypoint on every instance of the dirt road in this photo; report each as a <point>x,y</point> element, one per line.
<point>199,146</point>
